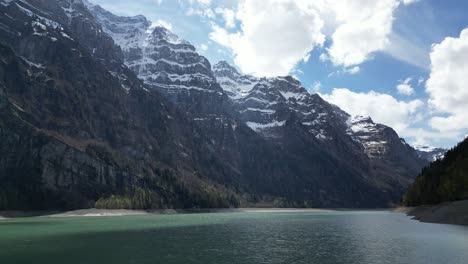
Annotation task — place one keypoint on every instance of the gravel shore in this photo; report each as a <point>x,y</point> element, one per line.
<point>446,213</point>
<point>103,212</point>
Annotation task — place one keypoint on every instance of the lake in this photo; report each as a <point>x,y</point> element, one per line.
<point>276,237</point>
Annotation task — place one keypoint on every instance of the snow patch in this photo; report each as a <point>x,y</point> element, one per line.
<point>258,127</point>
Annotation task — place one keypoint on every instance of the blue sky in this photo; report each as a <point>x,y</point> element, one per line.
<point>354,55</point>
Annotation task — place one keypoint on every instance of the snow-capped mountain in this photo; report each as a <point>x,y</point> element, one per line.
<point>236,85</point>
<point>159,57</point>
<point>265,104</point>
<point>273,107</point>
<point>77,125</point>
<point>430,153</point>
<point>272,131</point>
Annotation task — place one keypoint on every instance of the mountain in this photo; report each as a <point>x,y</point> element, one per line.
<point>77,126</point>
<point>271,106</point>
<point>171,65</point>
<point>117,112</point>
<point>443,180</point>
<point>430,153</point>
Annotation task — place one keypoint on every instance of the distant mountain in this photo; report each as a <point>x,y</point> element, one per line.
<point>443,180</point>
<point>116,112</point>
<point>430,153</point>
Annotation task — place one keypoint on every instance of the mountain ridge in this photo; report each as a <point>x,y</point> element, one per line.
<point>151,126</point>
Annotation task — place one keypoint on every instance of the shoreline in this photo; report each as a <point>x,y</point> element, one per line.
<point>454,213</point>
<point>93,212</point>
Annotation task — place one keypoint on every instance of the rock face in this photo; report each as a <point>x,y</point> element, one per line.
<point>77,125</point>
<point>95,106</point>
<point>272,106</point>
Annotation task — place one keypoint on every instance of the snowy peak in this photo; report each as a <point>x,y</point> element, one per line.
<point>159,57</point>
<point>235,84</point>
<point>265,104</point>
<point>430,153</point>
<point>371,135</point>
<point>224,69</point>
<point>134,32</point>
<point>127,32</point>
<point>356,120</point>
<point>224,66</point>
<point>158,33</point>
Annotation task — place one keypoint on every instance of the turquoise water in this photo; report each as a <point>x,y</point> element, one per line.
<point>338,237</point>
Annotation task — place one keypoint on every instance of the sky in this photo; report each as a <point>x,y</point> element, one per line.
<point>402,62</point>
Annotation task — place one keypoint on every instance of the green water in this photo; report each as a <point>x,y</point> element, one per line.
<point>340,237</point>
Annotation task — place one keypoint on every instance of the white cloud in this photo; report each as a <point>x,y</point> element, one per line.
<point>405,88</point>
<point>383,108</point>
<point>201,8</point>
<point>203,12</point>
<point>447,84</point>
<point>202,47</point>
<point>363,28</point>
<point>316,86</point>
<point>420,80</point>
<point>273,36</point>
<point>201,2</point>
<point>407,2</point>
<point>323,57</point>
<point>352,70</point>
<point>228,16</point>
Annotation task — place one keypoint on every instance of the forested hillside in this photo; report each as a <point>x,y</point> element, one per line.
<point>443,180</point>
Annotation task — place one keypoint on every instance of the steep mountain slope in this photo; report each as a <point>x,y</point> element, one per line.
<point>443,180</point>
<point>268,105</point>
<point>115,110</point>
<point>171,65</point>
<point>78,126</point>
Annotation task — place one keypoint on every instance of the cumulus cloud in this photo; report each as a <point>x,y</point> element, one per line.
<point>273,36</point>
<point>363,28</point>
<point>404,87</point>
<point>447,84</point>
<point>377,105</point>
<point>352,70</point>
<point>228,15</point>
